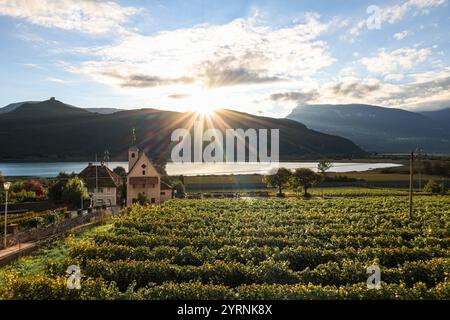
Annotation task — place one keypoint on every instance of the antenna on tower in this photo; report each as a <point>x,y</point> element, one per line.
<point>106,157</point>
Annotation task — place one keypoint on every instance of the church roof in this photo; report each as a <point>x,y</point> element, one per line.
<point>104,177</point>
<point>140,155</point>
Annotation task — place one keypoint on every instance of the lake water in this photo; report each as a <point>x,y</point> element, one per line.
<point>51,169</point>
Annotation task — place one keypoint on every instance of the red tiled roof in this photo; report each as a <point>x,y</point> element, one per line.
<point>103,178</point>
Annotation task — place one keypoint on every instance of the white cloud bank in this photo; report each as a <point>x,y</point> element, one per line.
<point>212,56</point>
<point>87,16</point>
<point>397,60</point>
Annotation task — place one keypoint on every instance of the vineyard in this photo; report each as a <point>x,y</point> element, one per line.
<point>31,219</point>
<point>256,249</point>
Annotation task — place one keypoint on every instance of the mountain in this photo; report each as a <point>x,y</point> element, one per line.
<point>442,116</point>
<point>49,109</point>
<point>13,106</point>
<point>104,110</point>
<point>52,130</point>
<point>376,128</point>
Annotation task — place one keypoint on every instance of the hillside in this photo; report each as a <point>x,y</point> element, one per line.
<point>104,110</point>
<point>52,130</point>
<point>442,116</point>
<point>376,128</point>
<point>13,106</point>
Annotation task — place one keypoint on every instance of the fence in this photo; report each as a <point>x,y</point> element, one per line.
<point>15,237</point>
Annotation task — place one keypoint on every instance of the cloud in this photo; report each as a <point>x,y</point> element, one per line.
<point>395,13</point>
<point>87,16</point>
<point>222,73</point>
<point>430,88</point>
<point>178,96</point>
<point>394,77</point>
<point>241,52</point>
<point>144,81</point>
<point>298,97</point>
<point>32,65</point>
<point>401,35</point>
<point>355,89</point>
<point>387,62</point>
<point>57,80</point>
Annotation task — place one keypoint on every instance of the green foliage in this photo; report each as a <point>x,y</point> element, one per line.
<point>142,199</point>
<point>57,186</point>
<point>323,166</point>
<point>73,191</point>
<point>304,178</point>
<point>258,249</point>
<point>278,180</point>
<point>33,219</point>
<point>121,172</point>
<point>434,187</point>
<point>22,196</point>
<point>178,189</point>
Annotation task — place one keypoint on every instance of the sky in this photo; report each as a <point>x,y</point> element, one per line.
<point>261,57</point>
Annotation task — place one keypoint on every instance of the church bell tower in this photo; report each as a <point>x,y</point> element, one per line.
<point>133,151</point>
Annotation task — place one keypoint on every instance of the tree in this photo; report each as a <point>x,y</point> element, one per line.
<point>160,163</point>
<point>36,187</point>
<point>304,178</point>
<point>57,186</point>
<point>73,191</point>
<point>278,180</point>
<point>434,187</point>
<point>323,166</point>
<point>17,186</point>
<point>121,172</point>
<point>142,199</point>
<point>178,189</point>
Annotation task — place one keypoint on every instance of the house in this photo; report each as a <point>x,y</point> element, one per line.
<point>143,178</point>
<point>102,184</point>
<point>166,192</point>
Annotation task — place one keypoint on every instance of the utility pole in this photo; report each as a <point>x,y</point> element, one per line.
<point>419,158</point>
<point>96,181</point>
<point>411,182</point>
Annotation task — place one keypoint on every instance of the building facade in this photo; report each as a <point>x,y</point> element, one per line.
<point>102,184</point>
<point>143,179</point>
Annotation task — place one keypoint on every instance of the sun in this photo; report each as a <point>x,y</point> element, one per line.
<point>204,111</point>
<point>203,104</point>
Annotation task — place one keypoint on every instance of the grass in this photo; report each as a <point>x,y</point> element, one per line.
<point>52,251</point>
<point>321,191</point>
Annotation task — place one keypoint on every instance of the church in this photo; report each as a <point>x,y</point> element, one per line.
<point>143,178</point>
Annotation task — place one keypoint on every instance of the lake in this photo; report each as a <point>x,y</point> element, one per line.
<point>51,169</point>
